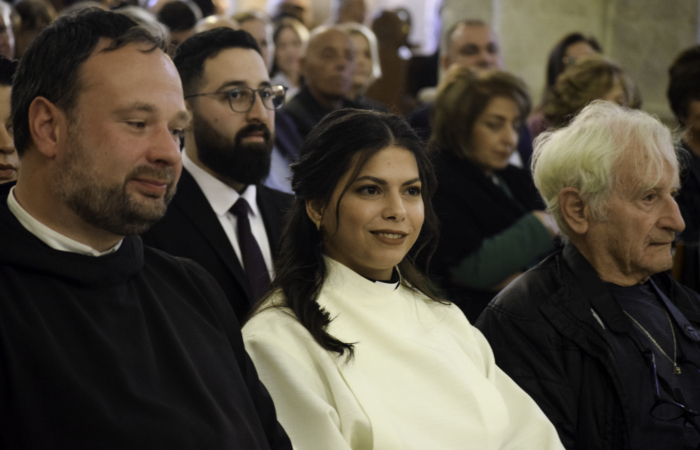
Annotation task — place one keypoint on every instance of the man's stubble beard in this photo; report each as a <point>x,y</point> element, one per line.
<point>108,206</point>
<point>243,163</point>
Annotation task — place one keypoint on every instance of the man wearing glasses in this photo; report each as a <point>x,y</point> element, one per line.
<point>600,335</point>
<point>222,217</point>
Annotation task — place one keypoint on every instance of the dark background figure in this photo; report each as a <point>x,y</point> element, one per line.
<point>180,17</point>
<point>34,16</point>
<point>226,158</point>
<point>684,97</point>
<point>493,226</point>
<point>327,68</point>
<point>570,48</point>
<point>9,160</point>
<point>107,343</point>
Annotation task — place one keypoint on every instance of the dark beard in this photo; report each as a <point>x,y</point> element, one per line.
<point>109,206</point>
<point>243,163</point>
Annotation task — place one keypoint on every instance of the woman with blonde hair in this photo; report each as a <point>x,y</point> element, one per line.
<point>367,66</point>
<point>589,78</point>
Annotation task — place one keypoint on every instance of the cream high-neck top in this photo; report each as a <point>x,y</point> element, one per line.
<point>422,377</point>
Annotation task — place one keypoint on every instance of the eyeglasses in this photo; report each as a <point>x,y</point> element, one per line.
<point>242,99</point>
<point>668,410</point>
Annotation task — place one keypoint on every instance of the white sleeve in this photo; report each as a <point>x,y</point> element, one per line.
<point>304,383</point>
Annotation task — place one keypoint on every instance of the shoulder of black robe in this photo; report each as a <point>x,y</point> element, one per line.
<point>132,349</point>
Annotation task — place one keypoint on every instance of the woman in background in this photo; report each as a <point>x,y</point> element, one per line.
<point>353,344</point>
<point>493,226</point>
<point>589,78</point>
<point>289,38</point>
<point>367,66</point>
<point>568,50</point>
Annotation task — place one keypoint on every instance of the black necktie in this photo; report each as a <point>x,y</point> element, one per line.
<point>253,260</point>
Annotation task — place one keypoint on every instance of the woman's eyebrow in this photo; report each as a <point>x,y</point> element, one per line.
<point>383,182</point>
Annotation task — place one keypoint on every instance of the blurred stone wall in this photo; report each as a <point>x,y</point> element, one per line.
<point>644,36</point>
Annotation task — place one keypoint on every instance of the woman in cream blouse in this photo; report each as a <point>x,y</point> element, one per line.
<point>356,349</point>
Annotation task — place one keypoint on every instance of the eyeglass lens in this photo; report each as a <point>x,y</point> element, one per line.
<point>242,99</point>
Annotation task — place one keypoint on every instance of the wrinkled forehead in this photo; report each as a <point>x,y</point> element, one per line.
<point>638,170</point>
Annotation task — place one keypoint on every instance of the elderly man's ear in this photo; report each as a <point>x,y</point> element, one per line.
<point>574,210</point>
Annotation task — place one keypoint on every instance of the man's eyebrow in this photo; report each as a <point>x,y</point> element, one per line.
<point>137,106</point>
<point>239,83</point>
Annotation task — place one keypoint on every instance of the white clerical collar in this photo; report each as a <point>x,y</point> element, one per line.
<point>50,237</point>
<point>220,196</point>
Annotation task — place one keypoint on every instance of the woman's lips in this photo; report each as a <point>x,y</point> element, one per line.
<point>390,237</point>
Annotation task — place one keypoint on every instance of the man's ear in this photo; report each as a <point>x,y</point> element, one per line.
<point>47,123</point>
<point>315,211</point>
<point>574,210</point>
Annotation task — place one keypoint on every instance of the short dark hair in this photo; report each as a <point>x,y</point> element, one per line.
<point>7,71</point>
<point>51,66</point>
<point>342,143</point>
<point>684,83</point>
<point>179,15</point>
<point>462,96</point>
<point>193,52</point>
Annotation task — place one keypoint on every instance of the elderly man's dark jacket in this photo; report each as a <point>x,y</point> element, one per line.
<point>546,338</point>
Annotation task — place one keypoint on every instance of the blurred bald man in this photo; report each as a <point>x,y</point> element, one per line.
<point>327,67</point>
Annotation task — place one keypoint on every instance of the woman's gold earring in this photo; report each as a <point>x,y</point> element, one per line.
<point>318,225</point>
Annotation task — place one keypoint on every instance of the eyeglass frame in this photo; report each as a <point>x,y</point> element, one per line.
<point>688,414</point>
<point>252,97</point>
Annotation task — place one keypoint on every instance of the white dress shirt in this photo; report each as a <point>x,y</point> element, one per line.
<point>222,197</point>
<point>50,237</point>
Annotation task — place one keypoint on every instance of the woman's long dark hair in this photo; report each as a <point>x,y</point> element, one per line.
<point>342,142</point>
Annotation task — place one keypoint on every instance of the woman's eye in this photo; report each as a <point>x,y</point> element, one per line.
<point>371,190</point>
<point>413,191</point>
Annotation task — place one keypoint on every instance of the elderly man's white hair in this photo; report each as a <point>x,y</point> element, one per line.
<point>587,153</point>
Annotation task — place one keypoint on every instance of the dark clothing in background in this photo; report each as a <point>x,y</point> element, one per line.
<point>306,112</point>
<point>134,349</point>
<point>192,230</point>
<point>471,208</point>
<point>549,331</point>
<point>689,204</point>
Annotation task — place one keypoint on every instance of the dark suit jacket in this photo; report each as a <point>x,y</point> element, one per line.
<point>191,229</point>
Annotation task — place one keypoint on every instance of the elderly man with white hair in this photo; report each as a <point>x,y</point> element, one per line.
<point>599,334</point>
